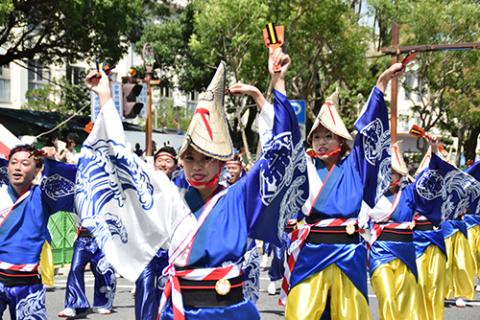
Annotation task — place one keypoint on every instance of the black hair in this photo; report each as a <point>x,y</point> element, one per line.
<point>34,153</point>
<point>167,149</point>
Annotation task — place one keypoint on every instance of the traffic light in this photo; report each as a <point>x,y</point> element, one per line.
<point>131,108</point>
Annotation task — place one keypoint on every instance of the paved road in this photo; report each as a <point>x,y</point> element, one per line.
<point>269,310</point>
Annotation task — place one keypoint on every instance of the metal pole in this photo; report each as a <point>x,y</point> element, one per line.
<point>394,85</point>
<point>148,124</point>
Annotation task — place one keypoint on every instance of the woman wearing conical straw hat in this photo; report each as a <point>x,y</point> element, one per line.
<point>206,248</point>
<point>392,262</point>
<point>327,259</point>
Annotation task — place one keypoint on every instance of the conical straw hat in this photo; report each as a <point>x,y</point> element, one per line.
<point>329,118</point>
<point>208,129</point>
<point>398,163</point>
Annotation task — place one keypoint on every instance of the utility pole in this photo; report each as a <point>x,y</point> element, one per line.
<point>149,60</point>
<point>395,51</point>
<point>394,85</point>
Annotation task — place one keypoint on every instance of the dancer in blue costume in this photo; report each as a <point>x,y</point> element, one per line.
<point>206,248</point>
<point>460,270</point>
<point>392,252</point>
<point>24,212</point>
<point>431,259</point>
<point>331,264</point>
<point>149,286</point>
<point>472,220</point>
<point>451,192</point>
<point>86,250</point>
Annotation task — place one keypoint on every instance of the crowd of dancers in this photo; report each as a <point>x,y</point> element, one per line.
<point>343,209</point>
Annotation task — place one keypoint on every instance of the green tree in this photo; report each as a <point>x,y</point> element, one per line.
<point>60,97</point>
<point>325,41</point>
<point>52,30</point>
<point>448,80</point>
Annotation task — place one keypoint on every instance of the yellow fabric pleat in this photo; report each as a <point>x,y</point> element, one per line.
<point>474,241</point>
<point>431,267</point>
<point>307,300</point>
<point>46,264</point>
<point>460,271</point>
<point>397,291</point>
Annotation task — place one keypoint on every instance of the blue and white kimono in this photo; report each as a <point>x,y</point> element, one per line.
<point>361,176</point>
<point>257,206</point>
<point>472,218</point>
<point>23,231</point>
<point>411,201</point>
<point>452,193</point>
<point>86,250</point>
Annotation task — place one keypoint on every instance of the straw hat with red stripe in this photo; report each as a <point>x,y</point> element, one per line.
<point>208,130</point>
<point>329,118</point>
<point>398,163</point>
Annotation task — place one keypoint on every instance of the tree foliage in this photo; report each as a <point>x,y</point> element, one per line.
<point>60,97</point>
<point>52,30</point>
<point>325,41</point>
<point>448,80</point>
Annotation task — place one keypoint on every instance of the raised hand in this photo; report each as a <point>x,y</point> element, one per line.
<point>432,141</point>
<point>246,89</point>
<point>394,71</point>
<point>276,57</point>
<point>99,83</point>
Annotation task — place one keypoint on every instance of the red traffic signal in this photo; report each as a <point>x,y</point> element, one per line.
<point>131,108</point>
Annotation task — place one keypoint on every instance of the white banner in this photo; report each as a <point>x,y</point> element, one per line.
<point>131,209</point>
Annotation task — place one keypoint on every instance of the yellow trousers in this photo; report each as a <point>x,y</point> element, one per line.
<point>431,267</point>
<point>460,271</point>
<point>46,264</point>
<point>474,241</point>
<point>308,299</point>
<point>397,291</point>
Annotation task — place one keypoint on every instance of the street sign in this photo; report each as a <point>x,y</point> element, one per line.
<point>300,108</point>
<point>117,100</point>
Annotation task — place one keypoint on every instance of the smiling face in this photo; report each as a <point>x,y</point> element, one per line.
<point>325,141</point>
<point>165,163</point>
<point>21,171</point>
<point>199,167</point>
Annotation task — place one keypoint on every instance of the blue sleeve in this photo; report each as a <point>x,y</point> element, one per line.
<point>277,185</point>
<point>58,186</point>
<point>449,191</point>
<point>3,171</point>
<point>474,171</point>
<point>371,149</point>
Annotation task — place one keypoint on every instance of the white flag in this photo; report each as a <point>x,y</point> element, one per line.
<point>131,209</point>
<point>7,141</point>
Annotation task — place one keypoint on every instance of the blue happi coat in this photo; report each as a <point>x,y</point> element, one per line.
<point>472,218</point>
<point>361,176</point>
<point>24,230</point>
<point>257,206</point>
<point>451,193</point>
<point>409,203</point>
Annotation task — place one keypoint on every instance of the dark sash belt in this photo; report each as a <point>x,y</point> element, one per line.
<point>332,235</point>
<point>424,226</point>
<point>12,278</point>
<point>391,234</point>
<point>202,293</point>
